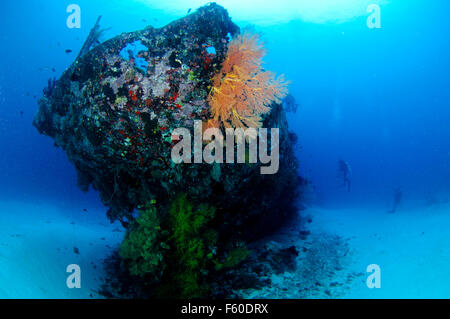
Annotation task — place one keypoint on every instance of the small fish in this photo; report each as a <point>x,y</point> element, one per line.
<point>84,210</point>
<point>76,250</point>
<point>143,20</point>
<point>189,11</point>
<point>53,70</point>
<point>68,51</point>
<point>21,113</point>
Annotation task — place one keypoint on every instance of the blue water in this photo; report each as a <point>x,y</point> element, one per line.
<point>377,98</point>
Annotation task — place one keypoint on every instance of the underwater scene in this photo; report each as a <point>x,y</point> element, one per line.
<point>187,149</point>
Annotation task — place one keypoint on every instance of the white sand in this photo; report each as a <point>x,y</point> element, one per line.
<point>411,247</point>
<point>37,244</point>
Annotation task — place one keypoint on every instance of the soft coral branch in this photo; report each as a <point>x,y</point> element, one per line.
<point>243,91</point>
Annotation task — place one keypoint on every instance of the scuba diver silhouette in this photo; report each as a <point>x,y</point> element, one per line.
<point>345,173</point>
<point>398,195</point>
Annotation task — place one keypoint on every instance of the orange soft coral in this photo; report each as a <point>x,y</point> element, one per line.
<point>242,91</point>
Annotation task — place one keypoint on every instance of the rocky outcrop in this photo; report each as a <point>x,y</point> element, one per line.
<point>114,109</point>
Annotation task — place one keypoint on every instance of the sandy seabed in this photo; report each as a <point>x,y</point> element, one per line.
<point>39,240</point>
<point>412,248</point>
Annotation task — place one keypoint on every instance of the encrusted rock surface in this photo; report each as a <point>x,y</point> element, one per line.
<point>113,111</point>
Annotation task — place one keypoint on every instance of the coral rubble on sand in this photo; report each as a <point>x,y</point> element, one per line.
<point>113,111</point>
